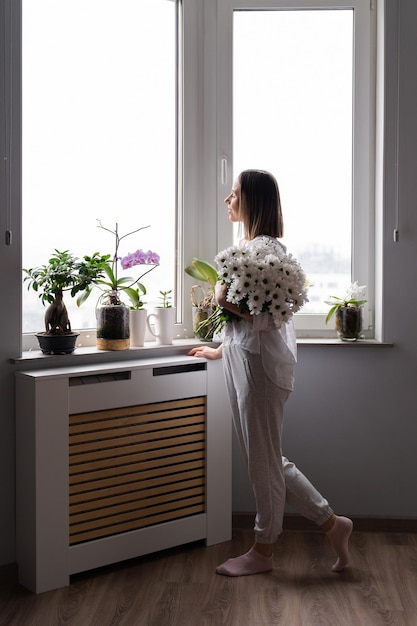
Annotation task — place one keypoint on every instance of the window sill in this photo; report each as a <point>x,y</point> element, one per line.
<point>328,341</point>
<point>90,354</point>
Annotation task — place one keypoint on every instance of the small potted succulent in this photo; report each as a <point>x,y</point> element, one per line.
<point>348,312</point>
<point>166,299</point>
<point>161,323</point>
<point>203,300</point>
<point>62,273</point>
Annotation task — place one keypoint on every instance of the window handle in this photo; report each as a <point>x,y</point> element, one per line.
<point>223,170</point>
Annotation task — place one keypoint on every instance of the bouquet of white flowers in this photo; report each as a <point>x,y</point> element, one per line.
<point>260,277</point>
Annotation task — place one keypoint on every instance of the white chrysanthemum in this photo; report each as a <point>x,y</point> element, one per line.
<point>264,277</point>
<point>234,294</point>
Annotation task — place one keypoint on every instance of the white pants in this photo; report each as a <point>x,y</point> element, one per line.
<point>258,409</point>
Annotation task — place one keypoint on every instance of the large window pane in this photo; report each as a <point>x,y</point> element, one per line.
<point>292,115</point>
<point>98,135</point>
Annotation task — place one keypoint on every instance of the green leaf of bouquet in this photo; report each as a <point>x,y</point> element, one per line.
<point>192,271</point>
<point>208,270</point>
<point>203,270</point>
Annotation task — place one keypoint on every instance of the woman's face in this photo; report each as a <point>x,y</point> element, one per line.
<point>233,202</point>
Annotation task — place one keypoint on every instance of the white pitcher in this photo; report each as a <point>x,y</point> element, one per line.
<point>164,321</point>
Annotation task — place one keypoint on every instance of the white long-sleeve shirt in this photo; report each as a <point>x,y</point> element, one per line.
<point>277,346</point>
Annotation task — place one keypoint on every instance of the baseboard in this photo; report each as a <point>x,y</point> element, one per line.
<point>361,523</point>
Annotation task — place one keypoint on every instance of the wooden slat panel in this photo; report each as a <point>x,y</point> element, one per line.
<point>136,462</point>
<point>156,447</point>
<point>146,467</point>
<point>94,490</point>
<point>97,533</point>
<point>147,410</point>
<point>136,514</point>
<point>135,466</point>
<point>117,441</point>
<point>100,430</point>
<point>143,501</point>
<point>151,420</point>
<point>121,475</point>
<point>131,491</point>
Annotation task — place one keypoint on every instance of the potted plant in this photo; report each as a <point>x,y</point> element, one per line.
<point>348,312</point>
<point>203,300</point>
<point>113,315</point>
<point>166,298</point>
<point>62,273</point>
<point>137,316</point>
<point>163,319</point>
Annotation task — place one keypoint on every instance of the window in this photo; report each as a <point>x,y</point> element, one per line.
<point>136,116</point>
<point>99,136</point>
<point>296,81</point>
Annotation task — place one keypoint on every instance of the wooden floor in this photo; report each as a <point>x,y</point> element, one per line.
<point>180,588</point>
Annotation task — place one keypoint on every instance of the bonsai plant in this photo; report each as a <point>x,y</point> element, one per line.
<point>348,312</point>
<point>63,272</point>
<point>203,301</point>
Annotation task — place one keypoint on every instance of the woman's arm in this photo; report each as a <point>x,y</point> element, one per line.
<point>221,293</point>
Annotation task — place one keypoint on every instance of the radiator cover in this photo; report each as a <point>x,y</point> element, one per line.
<point>116,461</point>
<point>135,466</point>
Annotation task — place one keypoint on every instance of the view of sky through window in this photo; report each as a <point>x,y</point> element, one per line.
<point>98,136</point>
<point>292,115</point>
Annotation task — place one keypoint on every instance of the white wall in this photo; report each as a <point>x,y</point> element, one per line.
<point>351,423</point>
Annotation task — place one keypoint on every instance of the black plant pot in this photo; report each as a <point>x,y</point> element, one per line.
<point>57,344</point>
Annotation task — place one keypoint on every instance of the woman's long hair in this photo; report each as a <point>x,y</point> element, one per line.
<point>260,204</point>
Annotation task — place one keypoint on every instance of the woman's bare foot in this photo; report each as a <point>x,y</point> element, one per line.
<point>339,538</point>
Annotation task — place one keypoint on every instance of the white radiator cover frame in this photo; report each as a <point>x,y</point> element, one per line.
<point>44,400</point>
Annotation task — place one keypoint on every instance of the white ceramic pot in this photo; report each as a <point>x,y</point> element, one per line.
<point>163,319</point>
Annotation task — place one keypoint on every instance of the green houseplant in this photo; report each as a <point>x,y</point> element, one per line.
<point>161,323</point>
<point>166,299</point>
<point>348,312</point>
<point>203,300</point>
<point>63,272</point>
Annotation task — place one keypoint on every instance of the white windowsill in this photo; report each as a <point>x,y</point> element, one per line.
<point>333,341</point>
<point>151,349</point>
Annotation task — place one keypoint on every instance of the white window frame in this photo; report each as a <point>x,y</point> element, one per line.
<point>206,170</point>
<point>189,17</point>
<point>364,122</point>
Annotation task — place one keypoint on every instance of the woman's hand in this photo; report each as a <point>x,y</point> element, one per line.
<point>207,352</point>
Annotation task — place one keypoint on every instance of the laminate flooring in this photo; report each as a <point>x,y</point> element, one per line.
<point>179,587</point>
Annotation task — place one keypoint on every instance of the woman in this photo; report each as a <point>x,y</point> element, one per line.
<point>259,362</point>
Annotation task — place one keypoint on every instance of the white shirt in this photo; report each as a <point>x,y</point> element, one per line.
<point>277,346</point>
